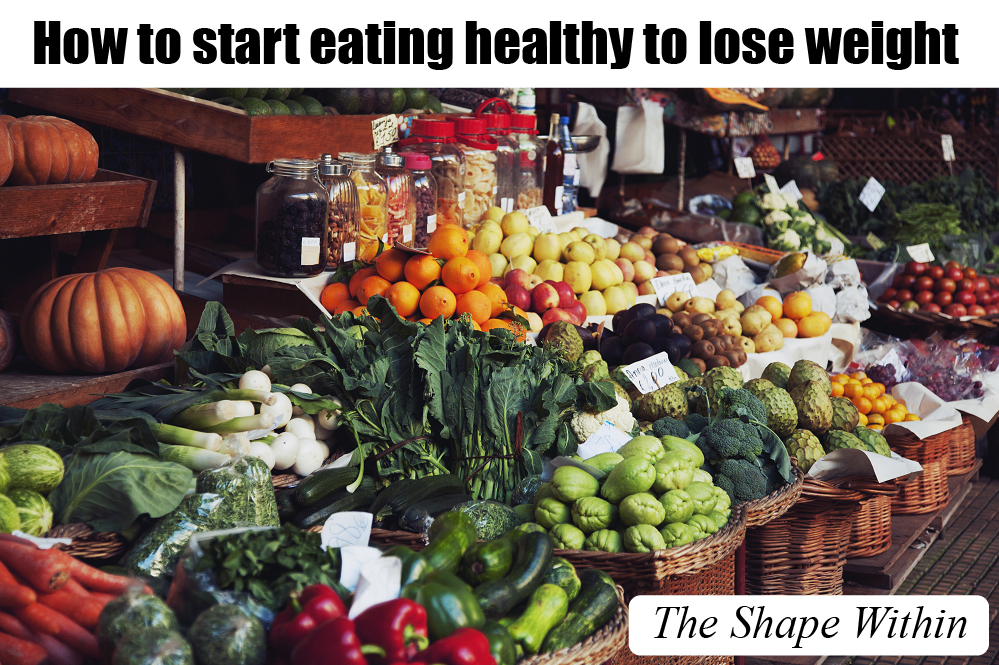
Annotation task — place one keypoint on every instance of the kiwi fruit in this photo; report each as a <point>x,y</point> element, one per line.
<point>681,319</point>
<point>694,333</point>
<point>701,317</point>
<point>717,361</point>
<point>703,349</point>
<point>701,365</point>
<point>689,257</point>
<point>669,262</point>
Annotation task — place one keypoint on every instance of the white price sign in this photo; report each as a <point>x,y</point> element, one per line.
<point>670,284</point>
<point>607,439</point>
<point>871,194</point>
<point>652,373</point>
<point>791,191</point>
<point>384,131</point>
<point>771,183</point>
<point>947,143</point>
<point>744,167</point>
<point>921,253</point>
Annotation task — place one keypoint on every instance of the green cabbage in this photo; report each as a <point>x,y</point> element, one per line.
<point>261,345</point>
<point>34,511</point>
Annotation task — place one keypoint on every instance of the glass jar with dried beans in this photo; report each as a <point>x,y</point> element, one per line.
<point>344,212</point>
<point>292,210</point>
<point>424,196</point>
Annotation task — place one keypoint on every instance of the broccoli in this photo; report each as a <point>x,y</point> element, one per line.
<point>742,480</point>
<point>695,421</point>
<point>670,427</point>
<point>730,438</point>
<point>772,473</point>
<point>731,399</point>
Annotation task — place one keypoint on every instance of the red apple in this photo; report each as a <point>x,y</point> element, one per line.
<point>955,310</point>
<point>544,297</point>
<point>943,298</point>
<point>924,283</point>
<point>936,272</point>
<point>981,284</point>
<point>566,296</point>
<point>970,272</point>
<point>952,265</point>
<point>983,298</point>
<point>908,281</point>
<point>966,284</point>
<point>894,304</point>
<point>915,268</point>
<point>910,306</point>
<point>518,296</point>
<point>904,295</point>
<point>994,294</point>
<point>532,281</point>
<point>976,310</point>
<point>991,309</point>
<point>889,294</point>
<point>954,274</point>
<point>518,277</point>
<point>965,298</point>
<point>578,309</point>
<point>946,284</point>
<point>930,307</point>
<point>556,314</point>
<point>898,281</point>
<point>924,297</point>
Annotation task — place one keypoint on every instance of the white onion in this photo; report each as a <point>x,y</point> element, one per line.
<point>244,408</point>
<point>285,448</point>
<point>281,409</point>
<point>325,449</point>
<point>327,419</point>
<point>300,388</point>
<point>255,380</point>
<point>263,452</point>
<point>321,432</point>
<point>310,457</point>
<point>301,428</point>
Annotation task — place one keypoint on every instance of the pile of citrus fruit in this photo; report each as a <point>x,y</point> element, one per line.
<point>794,317</point>
<point>877,408</point>
<point>451,281</point>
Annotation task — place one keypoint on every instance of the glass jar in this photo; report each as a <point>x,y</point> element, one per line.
<point>531,184</point>
<point>507,159</point>
<point>481,184</point>
<point>435,139</point>
<point>424,197</point>
<point>401,206</point>
<point>292,209</point>
<point>341,232</point>
<point>373,221</point>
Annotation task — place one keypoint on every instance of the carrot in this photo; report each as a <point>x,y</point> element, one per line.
<point>59,653</point>
<point>15,539</point>
<point>96,580</point>
<point>73,587</point>
<point>20,652</point>
<point>102,598</point>
<point>6,577</point>
<point>39,618</point>
<point>83,611</point>
<point>16,596</point>
<point>41,568</point>
<point>67,631</point>
<point>13,626</point>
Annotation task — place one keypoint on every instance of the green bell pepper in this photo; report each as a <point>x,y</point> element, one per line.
<point>546,609</point>
<point>449,602</point>
<point>414,566</point>
<point>501,645</point>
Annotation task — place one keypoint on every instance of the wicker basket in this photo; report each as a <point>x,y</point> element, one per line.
<point>928,492</point>
<point>89,544</point>
<point>597,648</point>
<point>870,533</point>
<point>640,573</point>
<point>925,451</point>
<point>386,538</point>
<point>772,506</point>
<point>961,454</point>
<point>920,324</point>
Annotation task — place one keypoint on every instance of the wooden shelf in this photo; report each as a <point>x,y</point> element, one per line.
<point>196,124</point>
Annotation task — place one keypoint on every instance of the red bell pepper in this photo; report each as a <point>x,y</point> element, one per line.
<point>465,646</point>
<point>311,607</point>
<point>333,643</point>
<point>399,626</point>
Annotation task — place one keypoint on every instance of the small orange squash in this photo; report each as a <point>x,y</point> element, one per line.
<point>48,151</point>
<point>105,321</point>
<point>6,151</point>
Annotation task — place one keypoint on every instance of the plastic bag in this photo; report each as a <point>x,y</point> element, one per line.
<point>130,611</point>
<point>733,274</point>
<point>524,492</point>
<point>227,635</point>
<point>491,518</point>
<point>852,305</point>
<point>947,368</point>
<point>153,646</point>
<point>704,228</point>
<point>156,554</point>
<point>246,484</point>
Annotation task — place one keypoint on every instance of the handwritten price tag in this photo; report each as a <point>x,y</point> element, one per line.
<point>744,167</point>
<point>920,253</point>
<point>871,194</point>
<point>384,131</point>
<point>947,143</point>
<point>771,183</point>
<point>541,219</point>
<point>652,373</point>
<point>791,190</point>
<point>607,439</point>
<point>670,284</point>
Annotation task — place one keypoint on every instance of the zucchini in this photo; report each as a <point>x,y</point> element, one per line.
<point>335,503</point>
<point>415,517</point>
<point>531,562</point>
<point>596,603</point>
<point>424,488</point>
<point>563,574</point>
<point>490,560</point>
<point>323,483</point>
<point>387,494</point>
<point>287,506</point>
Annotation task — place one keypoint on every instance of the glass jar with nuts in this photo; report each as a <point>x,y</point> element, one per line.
<point>344,212</point>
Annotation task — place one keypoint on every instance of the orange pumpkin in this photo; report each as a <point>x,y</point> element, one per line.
<point>49,151</point>
<point>105,321</point>
<point>7,340</point>
<point>6,151</point>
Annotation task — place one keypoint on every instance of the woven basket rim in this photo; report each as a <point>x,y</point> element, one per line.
<point>775,504</point>
<point>987,322</point>
<point>597,648</point>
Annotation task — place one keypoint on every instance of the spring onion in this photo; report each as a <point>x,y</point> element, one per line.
<point>244,424</point>
<point>195,459</point>
<point>280,409</point>
<point>205,415</point>
<point>235,444</point>
<point>187,437</point>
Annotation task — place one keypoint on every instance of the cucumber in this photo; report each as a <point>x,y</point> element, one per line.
<point>596,603</point>
<point>335,503</point>
<point>425,488</point>
<point>450,536</point>
<point>287,506</point>
<point>530,565</point>
<point>323,483</point>
<point>415,517</point>
<point>387,494</point>
<point>563,574</point>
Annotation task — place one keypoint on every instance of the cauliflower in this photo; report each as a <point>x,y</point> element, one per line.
<point>788,241</point>
<point>777,221</point>
<point>773,201</point>
<point>585,424</point>
<point>836,247</point>
<point>820,233</point>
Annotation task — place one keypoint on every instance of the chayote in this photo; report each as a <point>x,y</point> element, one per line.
<point>570,483</point>
<point>643,538</point>
<point>633,475</point>
<point>697,529</point>
<point>703,496</point>
<point>551,512</point>
<point>593,514</point>
<point>718,518</point>
<point>642,508</point>
<point>604,540</point>
<point>700,476</point>
<point>723,502</point>
<point>673,472</point>
<point>567,537</point>
<point>674,443</point>
<point>543,492</point>
<point>575,457</point>
<point>677,506</point>
<point>676,534</point>
<point>707,524</point>
<point>648,447</point>
<point>604,461</point>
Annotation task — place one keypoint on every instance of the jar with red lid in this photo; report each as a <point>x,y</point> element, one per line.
<point>399,196</point>
<point>479,149</point>
<point>531,172</point>
<point>436,139</point>
<point>507,159</point>
<point>424,197</point>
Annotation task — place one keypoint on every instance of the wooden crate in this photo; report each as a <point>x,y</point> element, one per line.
<point>196,124</point>
<point>110,201</point>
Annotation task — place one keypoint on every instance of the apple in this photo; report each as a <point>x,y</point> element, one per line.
<point>994,294</point>
<point>898,281</point>
<point>954,274</point>
<point>544,297</point>
<point>650,258</point>
<point>904,295</point>
<point>943,298</point>
<point>955,310</point>
<point>924,297</point>
<point>518,277</point>
<point>952,265</point>
<point>983,298</point>
<point>662,273</point>
<point>965,298</point>
<point>981,284</point>
<point>644,271</point>
<point>889,294</point>
<point>966,284</point>
<point>915,268</point>
<point>518,296</point>
<point>910,306</point>
<point>535,321</point>
<point>578,310</point>
<point>532,281</point>
<point>627,269</point>
<point>930,307</point>
<point>555,314</point>
<point>970,272</point>
<point>946,284</point>
<point>991,309</point>
<point>936,272</point>
<point>894,304</point>
<point>924,283</point>
<point>646,289</point>
<point>976,310</point>
<point>566,296</point>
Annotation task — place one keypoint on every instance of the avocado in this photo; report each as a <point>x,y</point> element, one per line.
<point>278,107</point>
<point>279,94</point>
<point>416,98</point>
<point>398,101</point>
<point>434,105</point>
<point>347,101</point>
<point>259,93</point>
<point>369,101</point>
<point>230,102</point>
<point>311,105</point>
<point>295,107</point>
<point>254,106</point>
<point>295,92</point>
<point>384,104</point>
<point>234,93</point>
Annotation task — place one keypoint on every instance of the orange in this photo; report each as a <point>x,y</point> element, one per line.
<point>871,393</point>
<point>426,322</point>
<point>853,390</point>
<point>391,264</point>
<point>476,326</point>
<point>787,327</point>
<point>333,295</point>
<point>909,417</point>
<point>422,270</point>
<point>460,274</point>
<point>858,376</point>
<point>797,305</point>
<point>874,419</point>
<point>772,305</point>
<point>404,297</point>
<point>813,325</point>
<point>863,404</point>
<point>449,241</point>
<point>837,389</point>
<point>892,416</point>
<point>476,304</point>
<point>840,378</point>
<point>517,330</point>
<point>876,428</point>
<point>877,405</point>
<point>497,297</point>
<point>862,419</point>
<point>346,306</point>
<point>880,387</point>
<point>373,285</point>
<point>438,301</point>
<point>360,311</point>
<point>359,276</point>
<point>866,382</point>
<point>482,262</point>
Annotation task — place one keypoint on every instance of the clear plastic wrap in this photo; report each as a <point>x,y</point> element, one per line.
<point>156,554</point>
<point>130,611</point>
<point>491,518</point>
<point>153,646</point>
<point>227,635</point>
<point>525,490</point>
<point>246,484</point>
